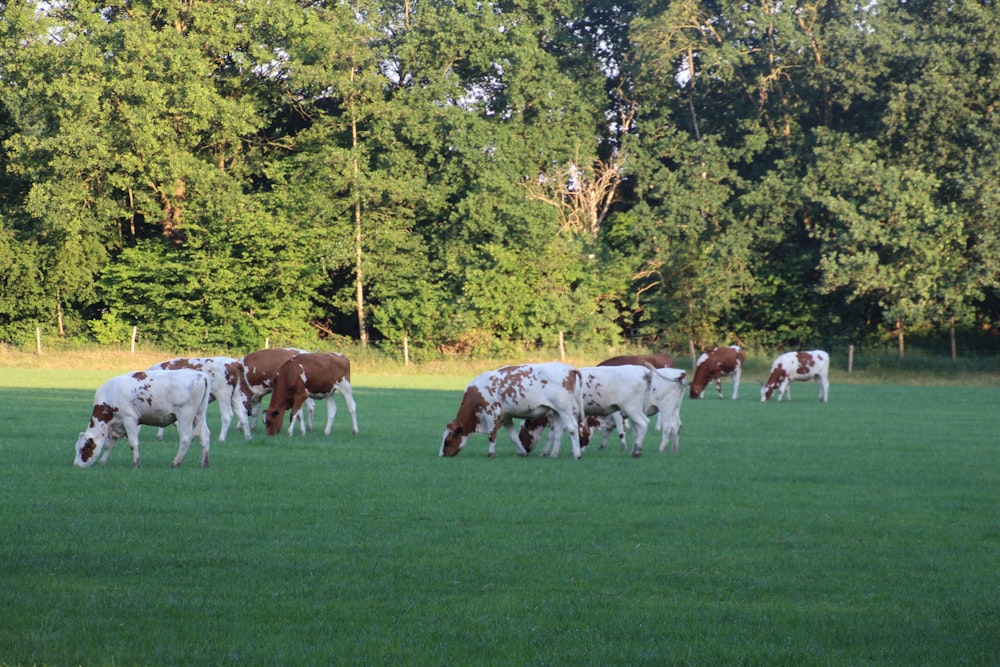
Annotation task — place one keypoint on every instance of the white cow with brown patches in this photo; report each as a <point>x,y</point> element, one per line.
<point>153,398</point>
<point>306,376</point>
<point>637,392</point>
<point>494,398</point>
<point>717,363</point>
<point>798,367</point>
<point>228,386</point>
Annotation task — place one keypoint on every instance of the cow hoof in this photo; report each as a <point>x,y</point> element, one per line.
<point>491,455</point>
<point>636,455</point>
<point>175,465</point>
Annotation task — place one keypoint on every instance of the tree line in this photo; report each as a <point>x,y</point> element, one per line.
<point>477,177</point>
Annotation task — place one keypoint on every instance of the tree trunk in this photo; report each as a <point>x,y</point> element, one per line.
<point>954,346</point>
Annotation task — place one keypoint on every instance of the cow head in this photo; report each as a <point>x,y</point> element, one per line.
<point>531,431</point>
<point>87,450</point>
<point>454,440</point>
<point>274,417</point>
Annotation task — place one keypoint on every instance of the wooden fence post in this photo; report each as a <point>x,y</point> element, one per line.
<point>135,331</point>
<point>562,347</point>
<point>406,350</point>
<point>850,358</point>
<point>38,340</point>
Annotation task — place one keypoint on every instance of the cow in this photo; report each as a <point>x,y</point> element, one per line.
<point>305,376</point>
<point>717,363</point>
<point>798,367</point>
<point>154,398</point>
<point>615,422</point>
<point>261,367</point>
<point>635,391</point>
<point>493,399</point>
<point>228,386</point>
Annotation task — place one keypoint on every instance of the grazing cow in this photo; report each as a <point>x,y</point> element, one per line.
<point>494,398</point>
<point>154,398</point>
<point>228,386</point>
<point>798,367</point>
<point>261,366</point>
<point>305,376</point>
<point>717,363</point>
<point>635,391</point>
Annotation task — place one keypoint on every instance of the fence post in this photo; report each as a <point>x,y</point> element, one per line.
<point>850,358</point>
<point>135,331</point>
<point>38,340</point>
<point>406,350</point>
<point>267,343</point>
<point>562,347</point>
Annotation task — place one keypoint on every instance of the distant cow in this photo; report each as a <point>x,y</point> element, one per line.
<point>228,386</point>
<point>261,367</point>
<point>717,363</point>
<point>305,376</point>
<point>798,367</point>
<point>154,398</point>
<point>494,398</point>
<point>636,391</point>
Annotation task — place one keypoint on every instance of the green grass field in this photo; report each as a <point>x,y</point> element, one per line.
<point>861,532</point>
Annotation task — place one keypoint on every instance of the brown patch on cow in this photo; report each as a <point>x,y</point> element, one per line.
<point>178,364</point>
<point>806,363</point>
<point>103,413</point>
<point>509,382</point>
<point>571,381</point>
<point>87,450</point>
<point>140,375</point>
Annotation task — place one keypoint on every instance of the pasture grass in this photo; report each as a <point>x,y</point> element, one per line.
<point>865,531</point>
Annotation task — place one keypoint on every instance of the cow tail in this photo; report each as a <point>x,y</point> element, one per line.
<point>578,395</point>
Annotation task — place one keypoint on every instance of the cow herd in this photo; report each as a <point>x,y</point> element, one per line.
<point>178,391</point>
<point>618,394</point>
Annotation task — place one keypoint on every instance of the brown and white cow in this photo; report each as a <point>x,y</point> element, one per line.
<point>261,367</point>
<point>494,398</point>
<point>154,398</point>
<point>305,376</point>
<point>798,367</point>
<point>637,392</point>
<point>228,387</point>
<point>717,363</point>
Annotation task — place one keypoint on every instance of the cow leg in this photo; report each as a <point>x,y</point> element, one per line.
<point>736,382</point>
<point>186,433</point>
<point>331,412</point>
<point>226,413</point>
<point>242,418</point>
<point>619,420</point>
<point>107,450</point>
<point>159,434</point>
<point>640,423</point>
<point>296,411</point>
<point>508,425</point>
<point>352,408</point>
<point>132,434</point>
<point>718,386</point>
<point>824,388</point>
<point>204,438</point>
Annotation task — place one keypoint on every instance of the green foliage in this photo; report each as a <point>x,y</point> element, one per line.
<point>221,174</point>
